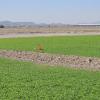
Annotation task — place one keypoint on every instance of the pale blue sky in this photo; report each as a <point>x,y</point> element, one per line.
<point>50,11</point>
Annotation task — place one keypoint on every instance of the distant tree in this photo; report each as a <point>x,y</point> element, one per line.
<point>2,26</point>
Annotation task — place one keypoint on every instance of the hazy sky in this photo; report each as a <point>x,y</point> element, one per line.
<point>49,11</point>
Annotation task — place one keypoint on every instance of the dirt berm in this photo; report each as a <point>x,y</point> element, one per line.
<point>53,59</point>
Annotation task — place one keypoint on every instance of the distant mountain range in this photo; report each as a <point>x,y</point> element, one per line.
<point>27,24</point>
<point>97,22</point>
<point>32,24</point>
<point>91,23</point>
<point>12,24</point>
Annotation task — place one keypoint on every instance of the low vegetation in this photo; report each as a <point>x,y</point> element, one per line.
<point>70,45</point>
<point>27,81</point>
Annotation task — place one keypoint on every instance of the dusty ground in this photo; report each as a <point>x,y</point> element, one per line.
<point>49,31</point>
<point>43,34</point>
<point>53,59</point>
<point>52,29</point>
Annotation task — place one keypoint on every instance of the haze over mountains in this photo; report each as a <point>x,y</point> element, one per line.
<point>12,24</point>
<point>27,24</point>
<point>31,24</point>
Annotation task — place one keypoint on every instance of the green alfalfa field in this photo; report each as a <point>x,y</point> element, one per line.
<point>70,45</point>
<point>28,81</point>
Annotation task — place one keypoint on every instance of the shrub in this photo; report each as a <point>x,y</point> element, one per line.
<point>40,48</point>
<point>1,26</point>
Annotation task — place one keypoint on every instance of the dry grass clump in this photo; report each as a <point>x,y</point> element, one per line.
<point>40,48</point>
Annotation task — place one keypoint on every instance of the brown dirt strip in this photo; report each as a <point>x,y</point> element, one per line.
<point>53,59</point>
<point>16,35</point>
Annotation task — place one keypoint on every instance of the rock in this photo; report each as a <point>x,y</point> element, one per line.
<point>53,59</point>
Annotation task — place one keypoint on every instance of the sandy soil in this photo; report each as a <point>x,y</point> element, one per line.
<point>49,31</point>
<point>15,35</point>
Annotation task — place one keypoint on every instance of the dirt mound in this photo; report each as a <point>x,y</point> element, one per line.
<point>53,59</point>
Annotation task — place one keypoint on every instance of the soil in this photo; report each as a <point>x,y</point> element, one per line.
<point>16,35</point>
<point>53,59</point>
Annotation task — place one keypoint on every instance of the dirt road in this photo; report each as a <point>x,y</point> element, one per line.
<point>15,35</point>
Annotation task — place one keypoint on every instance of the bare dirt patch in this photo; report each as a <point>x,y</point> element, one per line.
<point>67,30</point>
<point>53,59</point>
<point>16,35</point>
<point>52,29</point>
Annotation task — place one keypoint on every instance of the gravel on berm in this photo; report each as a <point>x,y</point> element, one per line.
<point>53,59</point>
